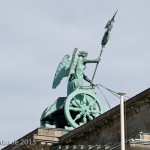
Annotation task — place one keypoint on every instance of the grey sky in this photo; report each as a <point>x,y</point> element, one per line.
<point>35,35</point>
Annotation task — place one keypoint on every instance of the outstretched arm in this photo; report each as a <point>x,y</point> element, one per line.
<point>92,61</point>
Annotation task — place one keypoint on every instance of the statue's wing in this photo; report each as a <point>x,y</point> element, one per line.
<point>62,71</point>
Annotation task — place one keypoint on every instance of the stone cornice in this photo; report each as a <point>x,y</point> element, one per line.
<point>133,106</point>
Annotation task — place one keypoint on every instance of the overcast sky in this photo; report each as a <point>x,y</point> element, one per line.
<point>35,35</point>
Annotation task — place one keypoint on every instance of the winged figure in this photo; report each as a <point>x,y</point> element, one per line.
<point>65,68</point>
<point>74,69</point>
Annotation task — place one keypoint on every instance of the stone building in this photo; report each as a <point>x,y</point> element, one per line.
<point>99,134</point>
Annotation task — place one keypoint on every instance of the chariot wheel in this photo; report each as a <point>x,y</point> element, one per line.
<point>81,106</point>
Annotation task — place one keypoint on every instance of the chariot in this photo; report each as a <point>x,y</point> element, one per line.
<point>76,109</point>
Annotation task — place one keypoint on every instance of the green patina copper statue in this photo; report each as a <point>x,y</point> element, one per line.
<point>74,70</point>
<point>81,103</point>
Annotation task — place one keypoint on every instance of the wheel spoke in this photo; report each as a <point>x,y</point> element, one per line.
<point>74,109</point>
<point>77,102</point>
<point>92,103</point>
<point>77,117</point>
<point>84,119</point>
<point>95,113</point>
<point>90,117</point>
<point>73,103</point>
<point>84,99</point>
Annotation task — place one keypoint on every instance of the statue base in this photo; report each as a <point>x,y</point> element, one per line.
<point>40,138</point>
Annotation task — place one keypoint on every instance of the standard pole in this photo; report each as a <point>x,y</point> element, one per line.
<point>121,94</point>
<point>97,65</point>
